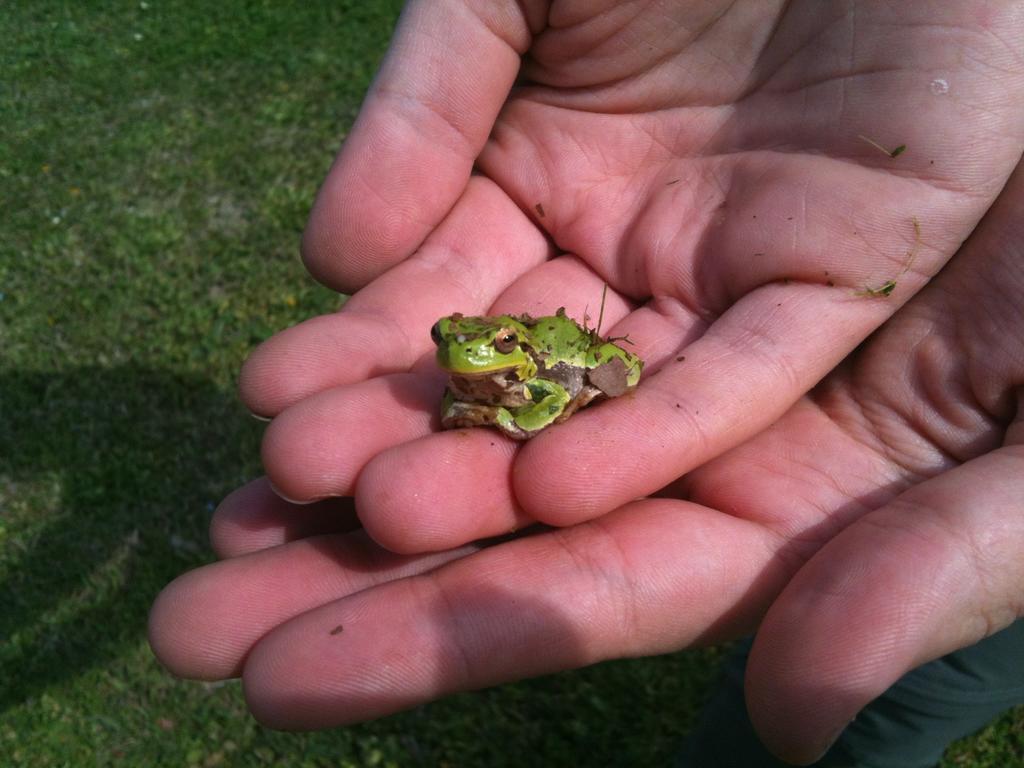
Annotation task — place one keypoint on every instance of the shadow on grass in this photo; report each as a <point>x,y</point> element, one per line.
<point>124,465</point>
<point>111,475</point>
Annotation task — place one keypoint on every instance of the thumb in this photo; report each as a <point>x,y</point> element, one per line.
<point>938,569</point>
<point>408,157</point>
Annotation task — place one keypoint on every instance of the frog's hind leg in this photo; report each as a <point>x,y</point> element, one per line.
<point>550,401</point>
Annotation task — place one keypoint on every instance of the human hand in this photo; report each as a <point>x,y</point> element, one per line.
<point>875,526</point>
<point>901,481</point>
<point>705,160</point>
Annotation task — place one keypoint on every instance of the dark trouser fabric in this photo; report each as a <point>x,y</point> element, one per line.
<point>909,726</point>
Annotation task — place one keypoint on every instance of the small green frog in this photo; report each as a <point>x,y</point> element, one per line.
<point>522,374</point>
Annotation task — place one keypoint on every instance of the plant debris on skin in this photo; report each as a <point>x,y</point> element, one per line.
<point>886,288</point>
<point>893,153</point>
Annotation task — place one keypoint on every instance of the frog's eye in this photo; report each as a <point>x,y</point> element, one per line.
<point>435,333</point>
<point>506,340</point>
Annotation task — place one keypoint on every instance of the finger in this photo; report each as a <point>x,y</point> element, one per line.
<point>205,622</point>
<point>749,367</point>
<point>439,492</point>
<point>254,517</point>
<point>647,579</point>
<point>408,157</point>
<point>317,448</point>
<point>483,245</point>
<point>936,570</point>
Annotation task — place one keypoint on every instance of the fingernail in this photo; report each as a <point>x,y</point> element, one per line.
<point>829,741</point>
<point>297,502</point>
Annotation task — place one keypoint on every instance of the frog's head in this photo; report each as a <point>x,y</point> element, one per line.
<point>468,346</point>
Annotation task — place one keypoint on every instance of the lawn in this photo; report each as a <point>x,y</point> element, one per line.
<point>157,163</point>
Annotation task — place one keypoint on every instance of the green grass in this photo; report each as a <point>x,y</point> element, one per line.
<point>157,163</point>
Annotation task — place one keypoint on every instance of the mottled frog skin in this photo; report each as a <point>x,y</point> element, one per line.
<point>523,374</point>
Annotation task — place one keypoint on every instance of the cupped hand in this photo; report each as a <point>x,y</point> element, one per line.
<point>873,527</point>
<point>720,165</point>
